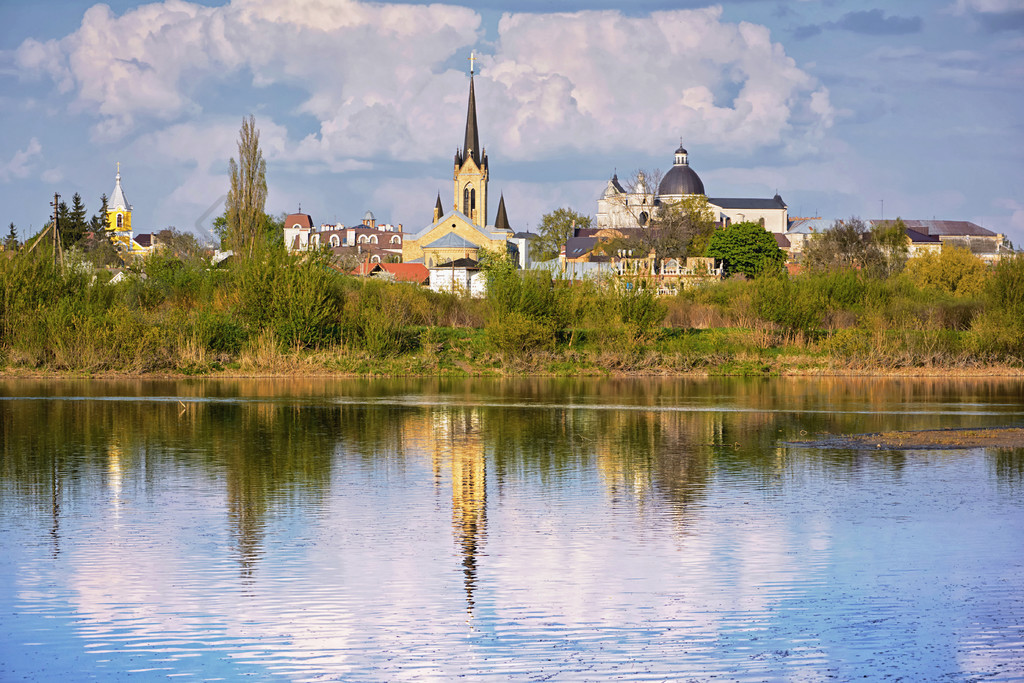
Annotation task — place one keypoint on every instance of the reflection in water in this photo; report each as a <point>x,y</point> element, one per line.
<point>456,444</point>
<point>656,528</point>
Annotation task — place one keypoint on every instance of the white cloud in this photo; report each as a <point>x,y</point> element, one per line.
<point>601,79</point>
<point>990,6</point>
<point>22,163</point>
<point>375,76</point>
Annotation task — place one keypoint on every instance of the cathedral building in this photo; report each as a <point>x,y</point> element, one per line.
<point>462,233</point>
<point>619,208</point>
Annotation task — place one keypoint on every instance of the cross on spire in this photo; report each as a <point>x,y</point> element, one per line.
<point>472,60</point>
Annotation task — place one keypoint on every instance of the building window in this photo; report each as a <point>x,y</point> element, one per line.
<point>373,239</point>
<point>335,241</point>
<point>643,219</point>
<point>120,220</point>
<point>395,239</point>
<point>362,239</point>
<point>465,200</point>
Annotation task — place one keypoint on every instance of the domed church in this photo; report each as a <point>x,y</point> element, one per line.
<point>620,208</point>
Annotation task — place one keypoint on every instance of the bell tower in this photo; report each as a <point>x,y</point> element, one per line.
<point>119,214</point>
<point>470,175</point>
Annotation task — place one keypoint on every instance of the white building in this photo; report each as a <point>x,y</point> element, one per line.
<point>634,208</point>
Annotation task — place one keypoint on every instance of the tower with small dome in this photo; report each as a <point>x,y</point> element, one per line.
<point>119,216</point>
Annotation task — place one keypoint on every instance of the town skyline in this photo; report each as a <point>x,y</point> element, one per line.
<point>360,106</point>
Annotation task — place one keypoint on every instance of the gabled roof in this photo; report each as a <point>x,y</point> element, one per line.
<point>945,228</point>
<point>144,239</point>
<point>451,241</point>
<point>301,220</point>
<point>781,240</point>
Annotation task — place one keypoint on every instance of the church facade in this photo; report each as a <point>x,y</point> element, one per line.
<point>463,232</point>
<point>619,208</point>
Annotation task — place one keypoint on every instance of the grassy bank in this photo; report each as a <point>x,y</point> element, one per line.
<point>277,314</point>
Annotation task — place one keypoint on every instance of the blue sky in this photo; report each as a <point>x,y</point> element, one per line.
<point>845,108</point>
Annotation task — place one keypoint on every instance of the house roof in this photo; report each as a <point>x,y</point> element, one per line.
<point>576,247</point>
<point>944,228</point>
<point>144,239</point>
<point>920,237</point>
<point>406,272</point>
<point>740,203</point>
<point>467,263</point>
<point>301,220</point>
<point>451,241</point>
<point>781,240</point>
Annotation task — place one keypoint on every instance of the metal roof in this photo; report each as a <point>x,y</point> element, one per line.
<point>743,203</point>
<point>451,241</point>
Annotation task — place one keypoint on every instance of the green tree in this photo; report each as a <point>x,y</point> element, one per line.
<point>847,244</point>
<point>680,229</point>
<point>954,269</point>
<point>890,237</point>
<point>11,243</point>
<point>98,222</point>
<point>746,248</point>
<point>248,193</point>
<point>74,229</point>
<point>554,229</point>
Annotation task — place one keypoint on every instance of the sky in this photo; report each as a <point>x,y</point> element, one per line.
<point>852,108</point>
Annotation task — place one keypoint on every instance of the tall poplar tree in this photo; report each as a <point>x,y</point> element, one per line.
<point>248,193</point>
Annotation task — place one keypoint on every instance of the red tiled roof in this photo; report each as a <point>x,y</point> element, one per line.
<point>303,220</point>
<point>407,272</point>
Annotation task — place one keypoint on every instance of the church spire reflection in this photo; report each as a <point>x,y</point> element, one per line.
<point>458,444</point>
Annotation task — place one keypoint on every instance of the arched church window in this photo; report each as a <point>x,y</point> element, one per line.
<point>373,239</point>
<point>120,220</point>
<point>395,239</point>
<point>335,241</point>
<point>465,200</point>
<point>761,221</point>
<point>642,218</point>
<point>472,200</point>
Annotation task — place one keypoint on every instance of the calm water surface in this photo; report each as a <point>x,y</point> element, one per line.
<point>530,530</point>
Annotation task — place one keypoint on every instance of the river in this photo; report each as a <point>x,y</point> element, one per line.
<point>534,529</point>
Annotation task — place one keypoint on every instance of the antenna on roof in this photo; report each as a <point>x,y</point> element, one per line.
<point>300,207</point>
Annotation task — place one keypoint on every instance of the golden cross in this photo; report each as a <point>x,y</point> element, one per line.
<point>472,58</point>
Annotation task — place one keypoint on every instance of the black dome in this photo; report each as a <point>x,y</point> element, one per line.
<point>681,179</point>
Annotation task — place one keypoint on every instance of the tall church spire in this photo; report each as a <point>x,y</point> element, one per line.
<point>471,147</point>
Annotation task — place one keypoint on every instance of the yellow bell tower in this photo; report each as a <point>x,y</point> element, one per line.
<point>119,215</point>
<point>471,166</point>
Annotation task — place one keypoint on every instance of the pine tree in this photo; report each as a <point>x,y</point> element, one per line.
<point>248,193</point>
<point>74,228</point>
<point>11,243</point>
<point>98,222</point>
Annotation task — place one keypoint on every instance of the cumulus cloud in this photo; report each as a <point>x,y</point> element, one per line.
<point>23,162</point>
<point>379,81</point>
<point>602,80</point>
